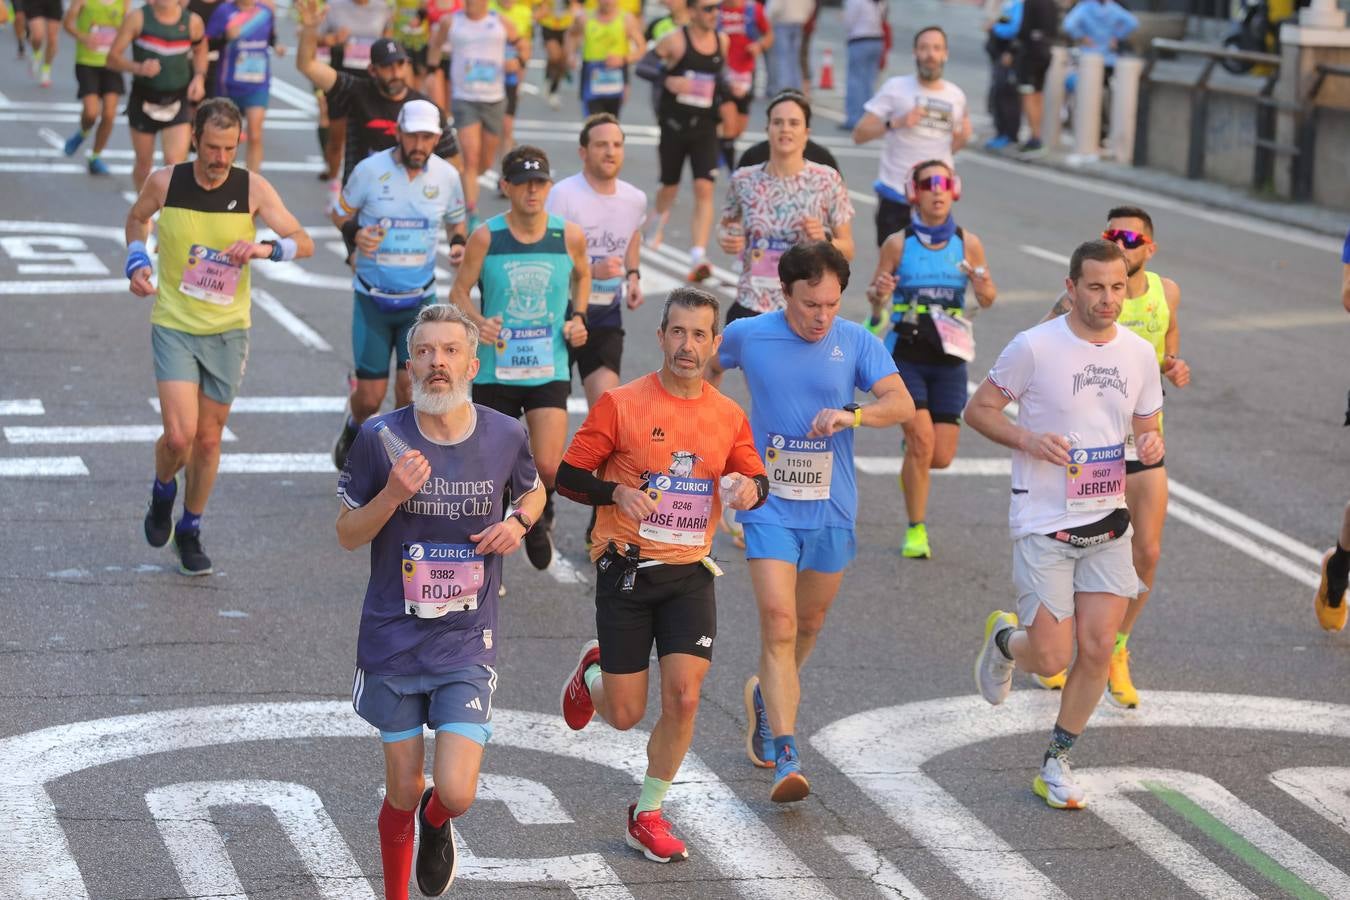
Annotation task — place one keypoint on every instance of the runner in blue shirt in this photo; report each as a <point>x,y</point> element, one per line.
<point>391,212</point>
<point>248,30</point>
<point>802,365</point>
<point>441,490</point>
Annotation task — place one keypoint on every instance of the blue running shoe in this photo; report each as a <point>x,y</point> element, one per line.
<point>758,737</point>
<point>789,784</point>
<point>98,167</point>
<point>998,142</point>
<point>73,143</point>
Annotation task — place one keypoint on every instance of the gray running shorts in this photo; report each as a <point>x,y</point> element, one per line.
<point>474,112</point>
<point>214,361</point>
<point>1048,573</point>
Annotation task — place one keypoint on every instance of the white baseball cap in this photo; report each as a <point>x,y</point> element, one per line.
<point>419,117</point>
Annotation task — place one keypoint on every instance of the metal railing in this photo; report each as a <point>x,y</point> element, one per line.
<point>1266,105</point>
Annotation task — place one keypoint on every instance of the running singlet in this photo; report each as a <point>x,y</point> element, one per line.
<point>770,210</point>
<point>609,221</point>
<point>943,112</point>
<point>373,119</point>
<point>411,212</point>
<point>743,26</point>
<point>1149,315</point>
<point>529,286</point>
<point>99,19</point>
<point>1089,393</point>
<point>171,45</point>
<point>245,61</point>
<point>423,553</point>
<point>603,40</point>
<point>677,450</point>
<point>697,105</point>
<point>555,15</point>
<point>200,291</point>
<point>478,58</point>
<point>927,317</point>
<point>811,480</point>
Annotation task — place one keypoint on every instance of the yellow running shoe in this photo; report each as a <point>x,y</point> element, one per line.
<point>916,543</point>
<point>1052,682</point>
<point>1331,618</point>
<point>1119,687</point>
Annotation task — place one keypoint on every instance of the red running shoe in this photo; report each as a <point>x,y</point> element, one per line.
<point>577,709</point>
<point>650,833</point>
<point>701,272</point>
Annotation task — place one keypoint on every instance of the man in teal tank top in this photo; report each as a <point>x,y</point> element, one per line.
<point>534,275</point>
<point>168,69</point>
<point>1150,311</point>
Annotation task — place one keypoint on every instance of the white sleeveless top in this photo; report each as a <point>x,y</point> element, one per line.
<point>478,58</point>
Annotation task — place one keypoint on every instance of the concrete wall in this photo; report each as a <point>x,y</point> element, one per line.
<point>1331,160</point>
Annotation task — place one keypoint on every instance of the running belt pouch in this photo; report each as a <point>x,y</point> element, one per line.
<point>1094,533</point>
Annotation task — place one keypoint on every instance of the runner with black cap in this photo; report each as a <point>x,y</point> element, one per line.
<point>534,276</point>
<point>373,103</point>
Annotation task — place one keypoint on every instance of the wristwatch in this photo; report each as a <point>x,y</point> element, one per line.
<point>856,409</point>
<point>523,519</point>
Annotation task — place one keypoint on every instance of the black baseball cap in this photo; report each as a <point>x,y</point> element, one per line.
<point>386,52</point>
<point>527,168</point>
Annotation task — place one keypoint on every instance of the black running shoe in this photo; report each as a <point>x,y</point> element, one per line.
<point>539,545</point>
<point>159,522</point>
<point>436,861</point>
<point>192,560</point>
<point>344,443</point>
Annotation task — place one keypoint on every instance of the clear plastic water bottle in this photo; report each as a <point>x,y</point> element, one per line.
<point>394,446</point>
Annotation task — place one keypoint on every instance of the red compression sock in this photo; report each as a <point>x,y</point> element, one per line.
<point>436,813</point>
<point>396,849</point>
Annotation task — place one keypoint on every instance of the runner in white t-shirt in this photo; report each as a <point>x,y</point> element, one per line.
<point>922,116</point>
<point>1082,385</point>
<point>610,211</point>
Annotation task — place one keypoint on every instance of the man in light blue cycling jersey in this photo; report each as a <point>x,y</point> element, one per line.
<point>389,213</point>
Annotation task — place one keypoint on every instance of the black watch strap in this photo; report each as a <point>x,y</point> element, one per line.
<point>523,519</point>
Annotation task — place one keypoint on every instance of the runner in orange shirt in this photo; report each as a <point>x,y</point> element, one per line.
<point>649,458</point>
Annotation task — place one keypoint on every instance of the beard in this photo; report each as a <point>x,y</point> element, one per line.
<point>439,403</point>
<point>1131,271</point>
<point>928,73</point>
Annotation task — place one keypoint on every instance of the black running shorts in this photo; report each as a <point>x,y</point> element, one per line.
<point>674,606</point>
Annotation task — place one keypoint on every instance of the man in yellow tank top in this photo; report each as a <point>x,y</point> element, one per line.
<point>200,321</point>
<point>1150,311</point>
<point>610,39</point>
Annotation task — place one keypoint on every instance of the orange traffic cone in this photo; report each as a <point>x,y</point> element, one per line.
<point>827,70</point>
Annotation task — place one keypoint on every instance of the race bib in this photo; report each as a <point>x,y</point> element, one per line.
<point>440,579</point>
<point>606,82</point>
<point>799,468</point>
<point>482,71</point>
<point>1094,479</point>
<point>957,334</point>
<point>356,53</point>
<point>161,112</point>
<point>699,93</point>
<point>408,243</point>
<point>604,293</point>
<point>209,275</point>
<point>525,353</point>
<point>683,509</point>
<point>764,255</point>
<point>250,66</point>
<point>103,36</point>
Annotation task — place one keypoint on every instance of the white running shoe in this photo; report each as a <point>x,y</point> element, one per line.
<point>1055,785</point>
<point>993,670</point>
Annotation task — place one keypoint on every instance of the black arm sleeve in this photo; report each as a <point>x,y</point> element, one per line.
<point>650,68</point>
<point>761,485</point>
<point>584,487</point>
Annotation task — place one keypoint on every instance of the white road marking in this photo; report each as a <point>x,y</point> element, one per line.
<point>281,122</point>
<point>1246,523</point>
<point>298,97</point>
<point>90,434</point>
<point>42,467</point>
<point>1243,544</point>
<point>884,751</point>
<point>1050,256</point>
<point>41,167</point>
<point>726,276</point>
<point>1153,201</point>
<point>21,408</point>
<point>197,848</point>
<point>528,801</point>
<point>865,858</point>
<point>38,290</point>
<point>289,321</point>
<point>36,861</point>
<point>577,406</point>
<point>275,463</point>
<point>890,465</point>
<point>1108,787</point>
<point>279,404</point>
<point>1323,789</point>
<point>50,137</point>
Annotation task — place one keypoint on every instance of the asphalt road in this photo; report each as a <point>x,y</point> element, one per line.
<point>166,737</point>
